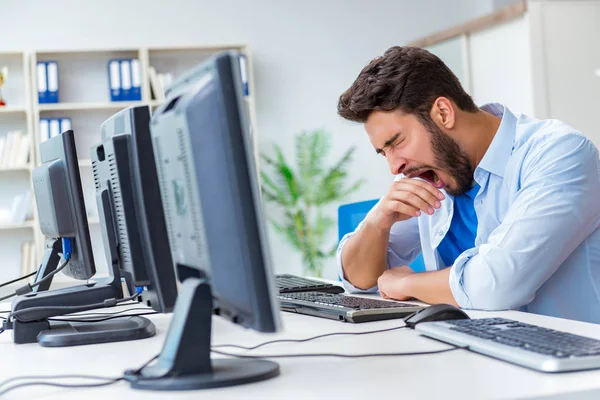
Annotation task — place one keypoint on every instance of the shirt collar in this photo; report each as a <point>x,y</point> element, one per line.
<point>496,157</point>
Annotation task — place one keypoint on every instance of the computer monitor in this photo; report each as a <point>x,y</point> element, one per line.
<point>61,210</point>
<point>208,181</point>
<point>130,207</point>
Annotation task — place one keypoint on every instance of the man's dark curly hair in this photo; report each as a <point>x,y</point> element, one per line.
<point>408,79</point>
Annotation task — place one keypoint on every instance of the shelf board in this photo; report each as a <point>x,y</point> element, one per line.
<point>114,105</point>
<point>207,48</point>
<point>12,110</point>
<point>25,225</point>
<point>156,103</point>
<point>16,169</point>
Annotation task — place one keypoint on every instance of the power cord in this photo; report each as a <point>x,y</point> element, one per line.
<point>67,250</point>
<point>416,353</point>
<point>109,314</point>
<point>73,309</point>
<point>308,339</point>
<point>44,279</point>
<point>18,279</point>
<point>101,319</point>
<point>109,381</point>
<point>325,354</point>
<point>8,296</point>
<point>89,318</point>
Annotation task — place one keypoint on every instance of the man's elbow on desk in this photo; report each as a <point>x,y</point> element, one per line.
<point>435,287</point>
<point>486,299</point>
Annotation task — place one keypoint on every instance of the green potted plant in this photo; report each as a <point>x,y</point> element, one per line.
<point>303,190</point>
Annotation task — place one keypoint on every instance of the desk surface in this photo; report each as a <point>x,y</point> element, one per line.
<point>455,375</point>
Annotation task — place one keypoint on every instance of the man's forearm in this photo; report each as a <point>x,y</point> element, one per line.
<point>431,287</point>
<point>364,255</point>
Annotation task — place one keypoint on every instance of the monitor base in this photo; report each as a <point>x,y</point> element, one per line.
<point>62,334</point>
<point>225,372</point>
<point>184,362</point>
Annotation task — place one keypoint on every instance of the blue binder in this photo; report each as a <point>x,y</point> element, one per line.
<point>42,82</point>
<point>51,127</point>
<point>136,80</point>
<point>125,68</point>
<point>244,73</point>
<point>65,124</point>
<point>47,80</point>
<point>114,80</point>
<point>124,80</point>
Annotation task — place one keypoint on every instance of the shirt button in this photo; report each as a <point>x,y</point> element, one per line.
<point>440,232</point>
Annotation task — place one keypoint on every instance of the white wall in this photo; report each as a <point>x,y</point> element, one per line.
<point>501,66</point>
<point>306,53</point>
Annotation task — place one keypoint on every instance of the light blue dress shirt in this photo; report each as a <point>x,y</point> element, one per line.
<point>538,239</point>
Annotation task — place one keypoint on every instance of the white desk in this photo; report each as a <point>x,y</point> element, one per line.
<point>455,375</point>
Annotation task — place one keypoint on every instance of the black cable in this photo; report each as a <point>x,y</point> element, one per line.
<point>18,279</point>
<point>87,317</point>
<point>101,319</point>
<point>50,275</point>
<point>72,309</point>
<point>308,339</point>
<point>8,297</point>
<point>110,381</point>
<point>74,376</point>
<point>417,353</point>
<point>28,288</point>
<point>133,297</point>
<point>107,314</point>
<point>133,303</point>
<point>137,371</point>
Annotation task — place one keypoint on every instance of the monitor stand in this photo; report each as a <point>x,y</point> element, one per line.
<point>48,265</point>
<point>34,325</point>
<point>185,363</point>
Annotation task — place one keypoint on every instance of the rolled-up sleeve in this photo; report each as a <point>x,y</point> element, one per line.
<point>551,214</point>
<point>403,247</point>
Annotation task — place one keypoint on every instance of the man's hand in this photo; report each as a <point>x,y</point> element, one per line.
<point>405,199</point>
<point>390,283</point>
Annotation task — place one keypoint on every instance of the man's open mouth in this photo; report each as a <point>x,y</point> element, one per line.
<point>430,176</point>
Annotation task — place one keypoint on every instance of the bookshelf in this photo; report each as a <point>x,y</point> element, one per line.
<point>84,97</point>
<point>15,172</point>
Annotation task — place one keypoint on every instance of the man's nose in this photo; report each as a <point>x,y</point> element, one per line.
<point>397,165</point>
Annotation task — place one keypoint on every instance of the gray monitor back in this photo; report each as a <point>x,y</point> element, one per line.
<point>60,205</point>
<point>125,172</point>
<point>210,191</point>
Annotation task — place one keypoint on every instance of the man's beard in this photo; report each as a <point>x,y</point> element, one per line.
<point>450,158</point>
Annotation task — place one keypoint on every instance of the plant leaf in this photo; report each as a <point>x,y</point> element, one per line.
<point>273,192</point>
<point>286,176</point>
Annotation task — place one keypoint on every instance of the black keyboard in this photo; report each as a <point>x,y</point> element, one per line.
<point>524,344</point>
<point>288,283</point>
<point>338,300</point>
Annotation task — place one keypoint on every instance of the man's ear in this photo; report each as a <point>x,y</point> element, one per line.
<point>442,113</point>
